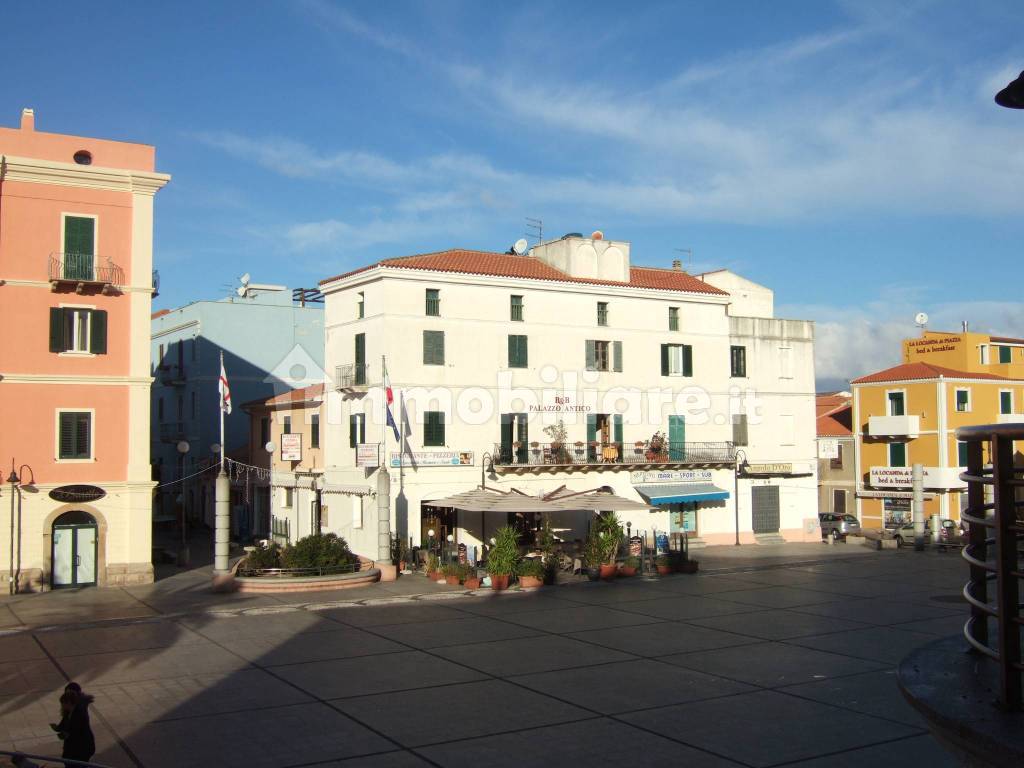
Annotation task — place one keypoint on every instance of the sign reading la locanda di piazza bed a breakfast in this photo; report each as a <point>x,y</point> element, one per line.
<point>928,346</point>
<point>903,477</point>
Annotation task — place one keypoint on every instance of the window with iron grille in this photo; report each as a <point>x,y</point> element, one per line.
<point>75,439</point>
<point>433,347</point>
<point>739,429</point>
<point>433,302</point>
<point>314,431</point>
<point>517,351</point>
<point>433,429</point>
<point>516,308</point>
<point>738,362</point>
<point>602,313</point>
<point>356,429</point>
<point>673,318</point>
<point>286,429</point>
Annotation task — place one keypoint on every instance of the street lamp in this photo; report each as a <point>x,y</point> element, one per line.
<point>487,460</point>
<point>15,491</point>
<point>183,554</point>
<point>1012,96</point>
<point>740,462</point>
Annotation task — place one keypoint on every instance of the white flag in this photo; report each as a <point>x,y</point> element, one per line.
<point>225,391</point>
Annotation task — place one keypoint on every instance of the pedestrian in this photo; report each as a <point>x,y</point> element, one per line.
<point>74,728</point>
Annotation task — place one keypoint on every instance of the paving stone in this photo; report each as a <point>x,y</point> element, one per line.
<point>778,597</point>
<point>591,743</point>
<point>630,685</point>
<point>230,627</point>
<point>506,604</point>
<point>880,612</point>
<point>340,643</point>
<point>662,639</point>
<point>865,587</point>
<point>775,625</point>
<point>919,750</point>
<point>458,712</point>
<point>886,644</point>
<point>771,665</point>
<point>678,608</point>
<point>401,613</point>
<point>472,629</point>
<point>157,664</point>
<point>622,591</point>
<point>27,676</point>
<point>531,654</point>
<point>133,637</point>
<point>262,738</point>
<point>765,727</point>
<point>386,673</point>
<point>943,626</point>
<point>20,647</point>
<point>871,693</point>
<point>708,585</point>
<point>579,619</point>
<point>398,759</point>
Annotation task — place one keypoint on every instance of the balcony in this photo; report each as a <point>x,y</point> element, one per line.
<point>573,456</point>
<point>351,377</point>
<point>894,426</point>
<point>172,375</point>
<point>172,431</point>
<point>83,271</point>
<point>1011,418</point>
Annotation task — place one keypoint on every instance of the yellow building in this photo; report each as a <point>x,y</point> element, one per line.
<point>909,414</point>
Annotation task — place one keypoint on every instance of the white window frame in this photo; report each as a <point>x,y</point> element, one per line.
<point>56,434</point>
<point>95,231</point>
<point>956,404</point>
<point>888,405</point>
<point>846,501</point>
<point>75,351</point>
<point>1013,405</point>
<point>288,497</point>
<point>675,358</point>
<point>983,355</point>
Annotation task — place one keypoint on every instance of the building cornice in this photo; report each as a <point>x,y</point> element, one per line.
<point>174,328</point>
<point>88,176</point>
<point>52,378</point>
<point>49,286</point>
<point>939,380</point>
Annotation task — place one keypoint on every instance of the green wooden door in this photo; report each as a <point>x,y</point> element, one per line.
<point>79,247</point>
<point>676,438</point>
<point>360,353</point>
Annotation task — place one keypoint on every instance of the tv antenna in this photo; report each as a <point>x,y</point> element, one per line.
<point>689,257</point>
<point>535,228</point>
<point>921,319</point>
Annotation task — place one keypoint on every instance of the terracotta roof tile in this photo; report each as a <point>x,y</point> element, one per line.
<point>510,265</point>
<point>303,395</point>
<point>913,371</point>
<point>836,423</point>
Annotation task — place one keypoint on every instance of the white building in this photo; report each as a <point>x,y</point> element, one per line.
<point>486,350</point>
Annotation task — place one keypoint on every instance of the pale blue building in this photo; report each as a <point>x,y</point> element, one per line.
<point>272,339</point>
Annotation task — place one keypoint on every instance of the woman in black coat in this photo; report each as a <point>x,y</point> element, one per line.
<point>74,728</point>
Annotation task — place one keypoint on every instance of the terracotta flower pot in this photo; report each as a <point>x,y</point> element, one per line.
<point>437,576</point>
<point>432,575</point>
<point>452,581</point>
<point>530,582</point>
<point>627,571</point>
<point>608,571</point>
<point>473,582</point>
<point>499,581</point>
<point>664,570</point>
<point>687,566</point>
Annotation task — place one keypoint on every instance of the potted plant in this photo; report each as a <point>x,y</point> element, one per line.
<point>686,565</point>
<point>610,532</point>
<point>530,571</point>
<point>629,566</point>
<point>551,566</point>
<point>593,556</point>
<point>453,574</point>
<point>664,565</point>
<point>433,567</point>
<point>559,435</point>
<point>503,556</point>
<point>656,446</point>
<point>471,580</point>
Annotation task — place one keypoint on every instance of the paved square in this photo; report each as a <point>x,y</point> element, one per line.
<point>772,655</point>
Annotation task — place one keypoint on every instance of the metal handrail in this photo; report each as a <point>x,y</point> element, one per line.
<point>994,558</point>
<point>66,761</point>
<point>351,375</point>
<point>617,453</point>
<point>329,570</point>
<point>84,268</point>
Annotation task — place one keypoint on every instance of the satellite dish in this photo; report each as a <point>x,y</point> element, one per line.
<point>520,246</point>
<point>244,279</point>
<point>241,290</point>
<point>921,319</point>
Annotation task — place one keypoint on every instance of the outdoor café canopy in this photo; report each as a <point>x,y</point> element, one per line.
<point>596,500</point>
<point>560,500</point>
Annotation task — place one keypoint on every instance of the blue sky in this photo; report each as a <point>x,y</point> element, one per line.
<point>849,155</point>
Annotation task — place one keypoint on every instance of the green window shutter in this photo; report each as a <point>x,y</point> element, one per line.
<point>591,351</point>
<point>1006,402</point>
<point>522,432</point>
<point>82,436</point>
<point>524,356</point>
<point>591,427</point>
<point>897,454</point>
<point>67,435</point>
<point>617,356</point>
<point>314,431</point>
<point>433,302</point>
<point>517,356</point>
<point>1006,354</point>
<point>352,436</point>
<point>961,454</point>
<point>439,347</point>
<point>617,427</point>
<point>79,235</point>
<point>676,437</point>
<point>360,349</point>
<point>362,429</point>
<point>664,360</point>
<point>433,347</point>
<point>506,436</point>
<point>98,332</point>
<point>57,330</point>
<point>433,428</point>
<point>687,360</point>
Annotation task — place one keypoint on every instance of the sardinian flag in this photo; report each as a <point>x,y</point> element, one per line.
<point>225,390</point>
<point>389,398</point>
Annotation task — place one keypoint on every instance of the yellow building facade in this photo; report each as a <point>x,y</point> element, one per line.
<point>909,414</point>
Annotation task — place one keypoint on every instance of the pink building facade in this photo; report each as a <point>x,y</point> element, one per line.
<point>76,285</point>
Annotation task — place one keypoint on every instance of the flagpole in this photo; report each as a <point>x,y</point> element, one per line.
<point>383,407</point>
<point>222,447</point>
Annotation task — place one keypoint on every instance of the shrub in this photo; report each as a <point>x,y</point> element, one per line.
<point>530,566</point>
<point>632,562</point>
<point>593,550</point>
<point>610,532</point>
<point>264,557</point>
<point>502,558</point>
<point>665,561</point>
<point>321,550</point>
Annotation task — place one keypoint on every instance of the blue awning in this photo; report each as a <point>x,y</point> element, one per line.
<point>669,493</point>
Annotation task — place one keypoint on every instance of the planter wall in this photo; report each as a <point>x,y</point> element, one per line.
<point>306,583</point>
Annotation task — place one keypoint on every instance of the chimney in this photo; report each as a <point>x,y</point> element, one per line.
<point>965,325</point>
<point>677,265</point>
<point>28,119</point>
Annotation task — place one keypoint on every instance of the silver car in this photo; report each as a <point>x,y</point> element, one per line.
<point>838,526</point>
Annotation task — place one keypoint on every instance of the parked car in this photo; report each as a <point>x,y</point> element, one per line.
<point>950,533</point>
<point>838,526</point>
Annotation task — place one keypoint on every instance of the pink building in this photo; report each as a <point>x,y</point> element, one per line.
<point>76,285</point>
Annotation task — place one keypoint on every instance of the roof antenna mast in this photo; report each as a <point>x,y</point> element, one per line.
<point>535,228</point>
<point>689,257</point>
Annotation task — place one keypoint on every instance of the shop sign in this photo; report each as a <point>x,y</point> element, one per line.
<point>903,477</point>
<point>432,459</point>
<point>69,494</point>
<point>672,476</point>
<point>636,546</point>
<point>768,469</point>
<point>828,448</point>
<point>368,455</point>
<point>291,447</point>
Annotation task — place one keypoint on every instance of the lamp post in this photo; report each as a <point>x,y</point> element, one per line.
<point>736,490</point>
<point>15,482</point>
<point>1012,96</point>
<point>183,553</point>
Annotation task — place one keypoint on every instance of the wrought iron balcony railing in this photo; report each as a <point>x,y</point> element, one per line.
<point>597,453</point>
<point>172,431</point>
<point>172,375</point>
<point>996,519</point>
<point>84,268</point>
<point>351,376</point>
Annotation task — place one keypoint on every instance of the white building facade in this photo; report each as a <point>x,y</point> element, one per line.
<point>664,382</point>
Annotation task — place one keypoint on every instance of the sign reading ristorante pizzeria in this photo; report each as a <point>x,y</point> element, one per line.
<point>431,459</point>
